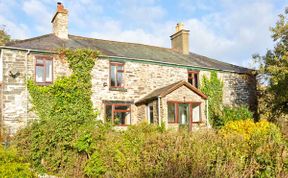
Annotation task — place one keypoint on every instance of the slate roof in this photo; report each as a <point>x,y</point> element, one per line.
<point>129,50</point>
<point>161,92</point>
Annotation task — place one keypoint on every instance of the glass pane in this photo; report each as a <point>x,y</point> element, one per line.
<point>108,113</point>
<point>189,75</point>
<point>48,70</point>
<point>183,113</point>
<point>196,80</point>
<point>121,107</point>
<point>113,76</point>
<point>122,118</point>
<point>196,114</point>
<point>171,112</point>
<point>40,61</point>
<point>190,80</point>
<point>121,68</point>
<point>120,79</point>
<point>39,74</point>
<point>151,114</point>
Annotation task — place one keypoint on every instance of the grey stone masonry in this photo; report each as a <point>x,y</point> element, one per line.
<point>140,79</point>
<point>16,106</point>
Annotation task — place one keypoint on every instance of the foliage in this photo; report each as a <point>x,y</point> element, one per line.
<point>235,113</point>
<point>264,143</point>
<point>213,88</point>
<point>145,151</point>
<point>273,69</point>
<point>4,37</point>
<point>64,109</point>
<point>13,165</point>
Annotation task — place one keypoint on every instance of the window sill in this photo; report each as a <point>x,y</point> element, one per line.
<point>44,83</point>
<point>118,89</point>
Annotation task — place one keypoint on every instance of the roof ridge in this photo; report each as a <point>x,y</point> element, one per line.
<point>114,41</point>
<point>216,60</point>
<point>28,39</point>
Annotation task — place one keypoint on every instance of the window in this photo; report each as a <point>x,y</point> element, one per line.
<point>116,75</point>
<point>118,114</point>
<point>150,113</point>
<point>172,113</point>
<point>43,70</point>
<point>196,113</point>
<point>193,78</point>
<point>182,112</point>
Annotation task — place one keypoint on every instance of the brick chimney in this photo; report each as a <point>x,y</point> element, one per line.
<point>180,39</point>
<point>60,22</point>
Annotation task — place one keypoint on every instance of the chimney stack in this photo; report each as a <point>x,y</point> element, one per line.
<point>60,22</point>
<point>180,39</point>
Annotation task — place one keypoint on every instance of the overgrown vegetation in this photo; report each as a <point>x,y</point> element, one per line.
<point>12,164</point>
<point>213,88</point>
<point>273,74</point>
<point>64,108</point>
<point>219,115</point>
<point>240,149</point>
<point>235,114</point>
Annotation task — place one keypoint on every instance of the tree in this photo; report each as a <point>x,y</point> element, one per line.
<point>4,37</point>
<point>273,68</point>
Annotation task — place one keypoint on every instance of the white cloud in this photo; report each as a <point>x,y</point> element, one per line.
<point>9,21</point>
<point>230,30</point>
<point>39,12</point>
<point>234,34</point>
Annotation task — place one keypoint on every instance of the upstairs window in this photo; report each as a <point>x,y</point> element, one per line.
<point>116,75</point>
<point>118,114</point>
<point>44,70</point>
<point>193,78</point>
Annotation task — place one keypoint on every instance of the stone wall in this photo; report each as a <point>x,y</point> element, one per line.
<point>239,89</point>
<point>140,80</point>
<point>16,105</point>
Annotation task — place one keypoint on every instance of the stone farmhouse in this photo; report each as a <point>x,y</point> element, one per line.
<point>130,82</point>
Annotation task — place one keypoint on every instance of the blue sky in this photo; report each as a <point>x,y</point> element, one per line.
<point>228,30</point>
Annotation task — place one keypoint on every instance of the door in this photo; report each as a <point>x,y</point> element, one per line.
<point>184,114</point>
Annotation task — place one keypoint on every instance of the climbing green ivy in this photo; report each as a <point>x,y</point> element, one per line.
<point>213,87</point>
<point>63,109</point>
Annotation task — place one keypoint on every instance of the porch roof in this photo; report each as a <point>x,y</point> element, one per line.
<point>162,92</point>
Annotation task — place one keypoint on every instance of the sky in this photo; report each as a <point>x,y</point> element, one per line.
<point>227,30</point>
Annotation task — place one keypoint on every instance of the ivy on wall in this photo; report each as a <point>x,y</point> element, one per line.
<point>63,109</point>
<point>220,115</point>
<point>213,88</point>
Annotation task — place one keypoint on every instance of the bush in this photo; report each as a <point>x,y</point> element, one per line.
<point>13,165</point>
<point>240,149</point>
<point>264,146</point>
<point>235,114</point>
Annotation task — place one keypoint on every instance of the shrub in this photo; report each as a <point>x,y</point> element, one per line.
<point>13,165</point>
<point>264,146</point>
<point>146,151</point>
<point>235,114</point>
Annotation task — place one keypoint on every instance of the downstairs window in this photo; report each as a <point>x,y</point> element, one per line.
<point>118,114</point>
